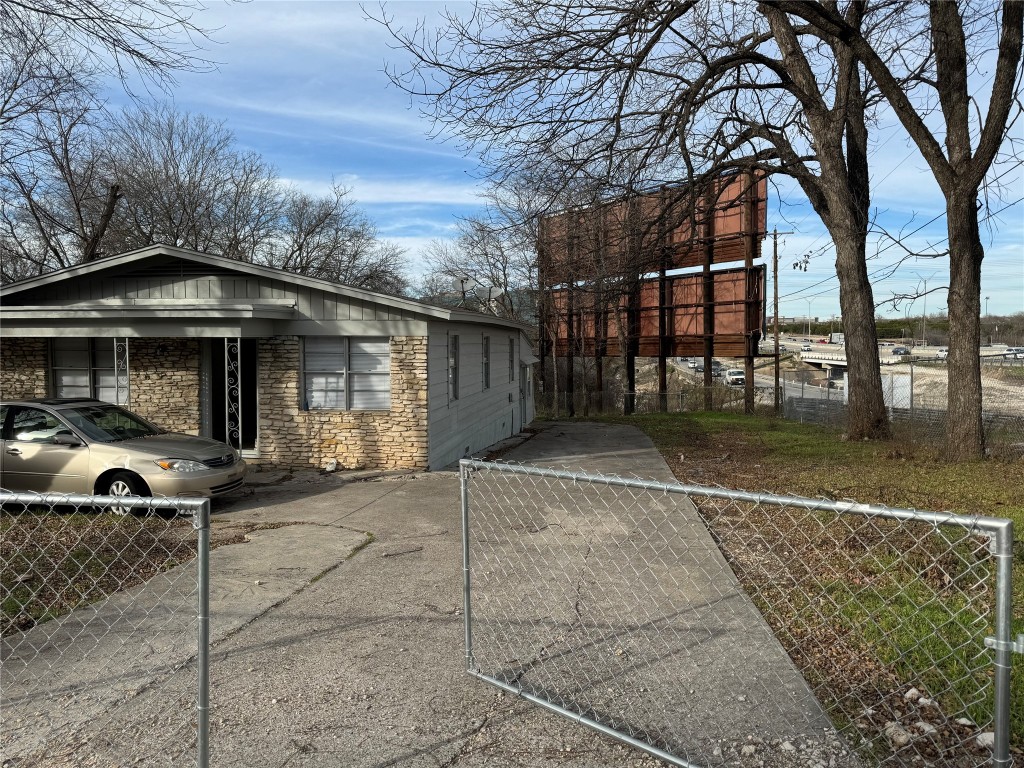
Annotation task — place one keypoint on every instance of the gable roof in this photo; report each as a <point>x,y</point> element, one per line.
<point>123,261</point>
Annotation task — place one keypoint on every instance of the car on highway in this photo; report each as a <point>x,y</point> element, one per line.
<point>735,377</point>
<point>900,351</point>
<point>76,445</point>
<point>805,348</point>
<point>1014,353</point>
<point>942,354</point>
<point>693,363</point>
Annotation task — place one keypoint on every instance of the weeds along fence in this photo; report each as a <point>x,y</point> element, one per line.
<point>916,405</point>
<point>710,627</point>
<point>718,397</point>
<point>105,630</point>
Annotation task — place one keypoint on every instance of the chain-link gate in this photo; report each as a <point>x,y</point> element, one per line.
<point>708,626</point>
<point>105,630</point>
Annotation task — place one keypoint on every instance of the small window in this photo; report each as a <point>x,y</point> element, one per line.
<point>486,361</point>
<point>347,374</point>
<point>453,367</point>
<point>86,368</point>
<point>511,359</point>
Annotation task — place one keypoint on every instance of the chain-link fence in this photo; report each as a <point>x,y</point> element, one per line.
<point>718,397</point>
<point>915,392</point>
<point>105,630</point>
<point>714,627</point>
<point>916,397</point>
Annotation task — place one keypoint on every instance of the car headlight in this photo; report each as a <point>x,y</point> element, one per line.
<point>181,465</point>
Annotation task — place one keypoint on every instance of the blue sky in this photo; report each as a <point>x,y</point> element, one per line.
<point>302,83</point>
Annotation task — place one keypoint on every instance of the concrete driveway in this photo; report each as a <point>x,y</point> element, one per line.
<point>338,637</point>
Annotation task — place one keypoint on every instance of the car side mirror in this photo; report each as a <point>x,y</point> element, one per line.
<point>68,439</point>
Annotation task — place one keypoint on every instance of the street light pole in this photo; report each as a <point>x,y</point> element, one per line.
<point>809,301</point>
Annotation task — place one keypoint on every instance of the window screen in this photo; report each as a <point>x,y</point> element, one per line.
<point>453,367</point>
<point>486,361</point>
<point>85,368</point>
<point>347,373</point>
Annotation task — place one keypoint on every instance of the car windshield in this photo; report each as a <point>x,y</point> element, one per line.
<point>109,423</point>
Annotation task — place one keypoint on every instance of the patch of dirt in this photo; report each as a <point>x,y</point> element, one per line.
<point>52,563</point>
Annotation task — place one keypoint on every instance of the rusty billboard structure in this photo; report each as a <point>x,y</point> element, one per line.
<point>611,282</point>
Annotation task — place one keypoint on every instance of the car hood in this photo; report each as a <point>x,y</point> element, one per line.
<point>173,445</point>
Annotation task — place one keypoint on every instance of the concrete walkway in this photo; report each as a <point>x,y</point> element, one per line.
<point>338,641</point>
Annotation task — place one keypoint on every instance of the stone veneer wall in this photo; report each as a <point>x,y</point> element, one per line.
<point>292,437</point>
<point>165,382</point>
<point>23,366</point>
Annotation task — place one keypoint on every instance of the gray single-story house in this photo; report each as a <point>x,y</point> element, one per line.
<point>293,371</point>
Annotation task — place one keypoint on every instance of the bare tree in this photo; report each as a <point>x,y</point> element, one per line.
<point>493,252</point>
<point>49,174</point>
<point>151,38</point>
<point>958,34</point>
<point>650,93</point>
<point>185,183</point>
<point>330,238</point>
<point>52,56</point>
<point>153,174</point>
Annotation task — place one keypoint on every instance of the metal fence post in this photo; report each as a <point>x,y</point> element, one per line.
<point>1002,550</point>
<point>201,523</point>
<point>466,609</point>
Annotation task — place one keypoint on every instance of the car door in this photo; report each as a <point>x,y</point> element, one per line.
<point>32,461</point>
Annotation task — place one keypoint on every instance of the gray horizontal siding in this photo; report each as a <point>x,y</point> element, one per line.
<point>480,417</point>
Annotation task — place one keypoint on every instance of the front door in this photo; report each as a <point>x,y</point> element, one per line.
<point>230,408</point>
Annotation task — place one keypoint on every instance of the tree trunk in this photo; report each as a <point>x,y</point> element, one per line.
<point>867,417</point>
<point>964,436</point>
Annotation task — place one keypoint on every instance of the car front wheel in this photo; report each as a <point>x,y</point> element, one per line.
<point>123,484</point>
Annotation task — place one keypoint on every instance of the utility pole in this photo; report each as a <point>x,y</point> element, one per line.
<point>924,313</point>
<point>775,283</point>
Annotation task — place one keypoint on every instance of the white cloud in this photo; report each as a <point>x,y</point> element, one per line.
<point>397,190</point>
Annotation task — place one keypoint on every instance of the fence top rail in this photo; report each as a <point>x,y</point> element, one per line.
<point>999,529</point>
<point>197,507</point>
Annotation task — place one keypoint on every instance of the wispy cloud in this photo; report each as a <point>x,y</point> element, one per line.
<point>397,190</point>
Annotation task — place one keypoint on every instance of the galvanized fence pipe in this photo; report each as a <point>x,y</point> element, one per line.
<point>906,598</point>
<point>467,605</point>
<point>201,523</point>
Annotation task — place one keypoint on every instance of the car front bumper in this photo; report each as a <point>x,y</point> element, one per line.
<point>209,483</point>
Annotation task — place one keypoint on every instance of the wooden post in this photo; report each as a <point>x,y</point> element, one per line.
<point>751,322</point>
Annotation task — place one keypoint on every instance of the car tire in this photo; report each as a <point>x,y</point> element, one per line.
<point>123,484</point>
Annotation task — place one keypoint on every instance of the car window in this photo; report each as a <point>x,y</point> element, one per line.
<point>32,425</point>
<point>3,420</point>
<point>108,423</point>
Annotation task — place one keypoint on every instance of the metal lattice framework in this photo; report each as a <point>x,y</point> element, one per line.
<point>105,624</point>
<point>709,626</point>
